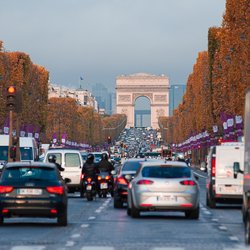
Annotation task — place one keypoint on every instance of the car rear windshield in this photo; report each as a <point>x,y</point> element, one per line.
<point>19,174</point>
<point>166,172</point>
<point>131,166</point>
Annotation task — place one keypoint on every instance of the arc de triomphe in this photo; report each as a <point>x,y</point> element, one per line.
<point>131,87</point>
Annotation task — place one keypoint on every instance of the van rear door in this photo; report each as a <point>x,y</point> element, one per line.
<point>72,167</point>
<point>225,183</point>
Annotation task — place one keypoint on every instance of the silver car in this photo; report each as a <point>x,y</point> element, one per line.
<point>164,186</point>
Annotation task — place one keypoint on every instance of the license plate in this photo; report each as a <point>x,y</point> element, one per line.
<point>167,198</point>
<point>103,185</point>
<point>89,187</point>
<point>29,191</point>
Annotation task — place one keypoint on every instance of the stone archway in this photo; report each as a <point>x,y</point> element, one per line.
<point>155,88</point>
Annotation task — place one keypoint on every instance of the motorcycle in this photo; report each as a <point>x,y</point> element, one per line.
<point>105,184</point>
<point>88,188</point>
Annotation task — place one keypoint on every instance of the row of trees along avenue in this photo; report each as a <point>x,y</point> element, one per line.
<point>216,87</point>
<point>49,117</point>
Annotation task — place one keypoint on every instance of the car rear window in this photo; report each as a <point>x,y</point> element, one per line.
<point>131,166</point>
<point>17,174</point>
<point>166,172</point>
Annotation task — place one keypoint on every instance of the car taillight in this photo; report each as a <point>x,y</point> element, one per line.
<point>121,180</point>
<point>82,176</point>
<point>55,190</point>
<point>144,182</point>
<point>107,177</point>
<point>213,164</point>
<point>99,178</point>
<point>188,183</point>
<point>6,189</point>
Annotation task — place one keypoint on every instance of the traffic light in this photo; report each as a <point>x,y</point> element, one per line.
<point>109,140</point>
<point>11,97</point>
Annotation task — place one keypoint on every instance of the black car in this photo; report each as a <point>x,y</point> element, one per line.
<point>128,169</point>
<point>33,189</point>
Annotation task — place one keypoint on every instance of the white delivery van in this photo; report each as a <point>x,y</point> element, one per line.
<point>28,149</point>
<point>221,185</point>
<point>4,150</point>
<point>71,161</point>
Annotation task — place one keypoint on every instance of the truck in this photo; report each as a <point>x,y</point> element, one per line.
<point>246,171</point>
<point>221,184</point>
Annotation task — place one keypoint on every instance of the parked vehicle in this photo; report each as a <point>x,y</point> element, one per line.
<point>71,161</point>
<point>164,186</point>
<point>222,187</point>
<point>33,189</point>
<point>105,184</point>
<point>244,168</point>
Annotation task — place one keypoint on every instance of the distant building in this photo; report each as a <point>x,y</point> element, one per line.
<point>83,97</point>
<point>176,92</point>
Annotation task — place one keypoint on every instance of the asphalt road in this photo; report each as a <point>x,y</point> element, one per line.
<point>97,225</point>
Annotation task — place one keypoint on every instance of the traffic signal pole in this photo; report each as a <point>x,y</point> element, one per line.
<point>10,135</point>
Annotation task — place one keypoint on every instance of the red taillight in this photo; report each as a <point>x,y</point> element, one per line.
<point>55,190</point>
<point>107,177</point>
<point>145,205</point>
<point>5,211</point>
<point>144,182</point>
<point>53,211</point>
<point>6,189</point>
<point>188,183</point>
<point>213,166</point>
<point>122,181</point>
<point>99,178</point>
<point>186,205</point>
<point>89,179</point>
<point>82,176</point>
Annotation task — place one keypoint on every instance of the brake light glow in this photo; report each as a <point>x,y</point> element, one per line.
<point>6,189</point>
<point>5,211</point>
<point>144,182</point>
<point>82,176</point>
<point>89,179</point>
<point>53,211</point>
<point>186,205</point>
<point>55,190</point>
<point>188,183</point>
<point>121,180</point>
<point>145,205</point>
<point>107,177</point>
<point>213,166</point>
<point>99,178</point>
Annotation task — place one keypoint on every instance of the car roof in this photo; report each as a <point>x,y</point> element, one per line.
<point>29,164</point>
<point>164,163</point>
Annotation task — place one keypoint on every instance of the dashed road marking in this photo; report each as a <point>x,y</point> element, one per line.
<point>97,248</point>
<point>84,225</point>
<point>234,238</point>
<point>70,244</point>
<point>215,220</point>
<point>223,228</point>
<point>28,248</point>
<point>168,248</point>
<point>92,218</point>
<point>75,235</point>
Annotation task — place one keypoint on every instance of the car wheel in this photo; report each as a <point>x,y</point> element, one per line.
<point>62,220</point>
<point>135,213</point>
<point>211,201</point>
<point>117,203</point>
<point>193,214</point>
<point>1,220</point>
<point>247,231</point>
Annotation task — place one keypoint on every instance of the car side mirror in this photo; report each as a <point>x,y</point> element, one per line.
<point>236,168</point>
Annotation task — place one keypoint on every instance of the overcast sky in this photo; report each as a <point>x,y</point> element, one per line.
<point>102,39</point>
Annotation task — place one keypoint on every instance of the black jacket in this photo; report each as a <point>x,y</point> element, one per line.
<point>90,169</point>
<point>105,166</point>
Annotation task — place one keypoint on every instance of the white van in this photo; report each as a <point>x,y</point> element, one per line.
<point>221,184</point>
<point>71,161</point>
<point>28,149</point>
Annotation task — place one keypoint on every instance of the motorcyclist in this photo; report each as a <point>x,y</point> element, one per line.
<point>105,165</point>
<point>89,168</point>
<point>52,159</point>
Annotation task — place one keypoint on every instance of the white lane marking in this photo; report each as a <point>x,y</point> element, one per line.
<point>234,238</point>
<point>215,220</point>
<point>98,211</point>
<point>207,212</point>
<point>97,248</point>
<point>223,228</point>
<point>70,244</point>
<point>168,248</point>
<point>91,218</point>
<point>84,225</point>
<point>75,235</point>
<point>28,248</point>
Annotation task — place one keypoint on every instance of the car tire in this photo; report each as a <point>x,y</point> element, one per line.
<point>1,220</point>
<point>211,201</point>
<point>247,231</point>
<point>118,203</point>
<point>135,213</point>
<point>193,214</point>
<point>62,220</point>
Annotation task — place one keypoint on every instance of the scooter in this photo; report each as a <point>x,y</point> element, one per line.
<point>105,184</point>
